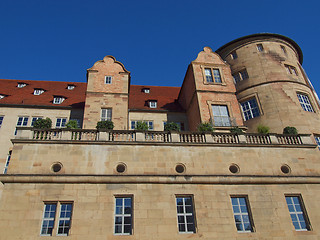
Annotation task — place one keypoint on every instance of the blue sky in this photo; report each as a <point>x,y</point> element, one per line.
<point>155,40</point>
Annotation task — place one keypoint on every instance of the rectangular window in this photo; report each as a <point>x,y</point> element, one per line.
<point>216,74</point>
<point>34,119</point>
<point>38,91</point>
<point>64,220</point>
<point>250,109</point>
<point>21,85</point>
<point>22,121</point>
<point>7,162</point>
<point>260,47</point>
<point>49,214</point>
<point>317,138</point>
<point>240,76</point>
<point>134,124</point>
<point>291,69</point>
<point>108,80</point>
<point>106,114</point>
<point>185,209</point>
<point>1,120</point>
<point>61,122</point>
<point>242,215</point>
<point>123,216</point>
<point>298,213</point>
<point>153,104</point>
<point>305,102</point>
<point>208,74</point>
<point>221,116</point>
<point>234,55</point>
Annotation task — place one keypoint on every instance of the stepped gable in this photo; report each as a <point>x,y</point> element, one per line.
<point>24,96</point>
<point>166,97</point>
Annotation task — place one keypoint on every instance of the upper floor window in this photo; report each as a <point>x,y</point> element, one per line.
<point>149,123</point>
<point>305,102</point>
<point>22,121</point>
<point>250,109</point>
<point>34,119</point>
<point>317,138</point>
<point>298,213</point>
<point>240,76</point>
<point>185,214</point>
<point>58,100</point>
<point>283,49</point>
<point>108,79</point>
<point>1,120</point>
<point>61,122</point>
<point>153,104</point>
<point>71,87</point>
<point>106,114</point>
<point>260,47</point>
<point>212,75</point>
<point>146,90</point>
<point>291,69</point>
<point>21,85</point>
<point>64,219</point>
<point>123,216</point>
<point>242,215</point>
<point>38,91</point>
<point>234,55</point>
<point>221,116</point>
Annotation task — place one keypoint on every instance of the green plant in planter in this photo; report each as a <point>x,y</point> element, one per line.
<point>236,130</point>
<point>205,127</point>
<point>43,123</point>
<point>141,126</point>
<point>105,125</point>
<point>290,130</point>
<point>72,124</point>
<point>263,129</point>
<point>172,126</point>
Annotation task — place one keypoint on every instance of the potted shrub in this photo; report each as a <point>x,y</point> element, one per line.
<point>263,129</point>
<point>236,130</point>
<point>72,124</point>
<point>105,125</point>
<point>205,127</point>
<point>172,127</point>
<point>290,130</point>
<point>43,123</point>
<point>141,126</point>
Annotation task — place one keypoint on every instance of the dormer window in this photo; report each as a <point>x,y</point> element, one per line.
<point>58,100</point>
<point>71,87</point>
<point>108,79</point>
<point>21,85</point>
<point>38,91</point>
<point>146,90</point>
<point>1,96</point>
<point>153,104</point>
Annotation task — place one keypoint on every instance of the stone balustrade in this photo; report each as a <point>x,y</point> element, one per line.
<point>162,137</point>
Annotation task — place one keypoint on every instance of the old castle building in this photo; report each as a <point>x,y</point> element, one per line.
<point>128,184</point>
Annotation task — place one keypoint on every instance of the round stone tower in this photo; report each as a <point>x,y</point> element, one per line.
<point>272,87</point>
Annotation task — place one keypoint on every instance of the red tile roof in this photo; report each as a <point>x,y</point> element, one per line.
<point>166,98</point>
<point>24,96</point>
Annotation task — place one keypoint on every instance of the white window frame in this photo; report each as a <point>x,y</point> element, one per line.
<point>24,121</point>
<point>250,111</point>
<point>119,212</point>
<point>218,118</point>
<point>208,75</point>
<point>61,122</point>
<point>106,114</point>
<point>182,213</point>
<point>49,218</point>
<point>65,218</point>
<point>58,100</point>
<point>38,92</point>
<point>304,101</point>
<point>108,79</point>
<point>21,85</point>
<point>153,104</point>
<point>146,90</point>
<point>297,211</point>
<point>242,212</point>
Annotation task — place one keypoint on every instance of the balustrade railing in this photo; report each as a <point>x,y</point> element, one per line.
<point>164,137</point>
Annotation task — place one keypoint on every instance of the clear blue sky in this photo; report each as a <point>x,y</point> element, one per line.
<point>155,40</point>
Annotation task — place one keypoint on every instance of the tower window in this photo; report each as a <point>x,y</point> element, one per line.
<point>240,76</point>
<point>234,55</point>
<point>305,102</point>
<point>260,47</point>
<point>250,109</point>
<point>291,69</point>
<point>284,50</point>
